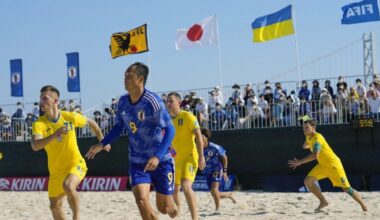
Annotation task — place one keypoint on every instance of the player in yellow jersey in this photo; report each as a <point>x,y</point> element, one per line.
<point>188,146</point>
<point>55,132</point>
<point>329,165</point>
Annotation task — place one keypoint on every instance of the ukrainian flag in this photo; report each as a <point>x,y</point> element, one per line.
<point>273,26</point>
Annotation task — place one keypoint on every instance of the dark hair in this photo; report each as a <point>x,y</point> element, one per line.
<point>206,132</point>
<point>50,88</point>
<point>311,122</point>
<point>358,80</point>
<point>140,69</point>
<point>175,94</point>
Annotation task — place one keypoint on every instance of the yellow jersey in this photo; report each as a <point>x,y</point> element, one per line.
<point>184,140</point>
<point>326,157</point>
<point>62,152</point>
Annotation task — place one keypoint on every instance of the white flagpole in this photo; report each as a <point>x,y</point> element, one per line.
<point>220,59</point>
<point>149,57</point>
<point>296,43</point>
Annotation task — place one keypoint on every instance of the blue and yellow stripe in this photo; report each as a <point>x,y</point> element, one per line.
<point>273,26</point>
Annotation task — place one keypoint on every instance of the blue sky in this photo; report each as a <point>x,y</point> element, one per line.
<point>41,32</point>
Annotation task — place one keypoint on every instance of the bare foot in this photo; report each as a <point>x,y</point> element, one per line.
<point>174,213</point>
<point>232,198</point>
<point>364,208</point>
<point>321,206</point>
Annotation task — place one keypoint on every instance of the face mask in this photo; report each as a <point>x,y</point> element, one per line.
<point>341,80</point>
<point>358,84</point>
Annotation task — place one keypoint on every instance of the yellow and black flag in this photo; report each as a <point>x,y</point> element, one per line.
<point>130,42</point>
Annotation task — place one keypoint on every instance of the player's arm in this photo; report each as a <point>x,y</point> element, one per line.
<point>39,143</point>
<point>224,160</point>
<point>98,132</point>
<point>305,145</point>
<point>199,144</point>
<point>312,156</point>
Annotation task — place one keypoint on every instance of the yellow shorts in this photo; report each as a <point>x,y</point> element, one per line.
<point>185,169</point>
<point>336,175</point>
<point>55,185</point>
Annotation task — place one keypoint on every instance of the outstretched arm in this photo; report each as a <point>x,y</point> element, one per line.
<point>313,156</point>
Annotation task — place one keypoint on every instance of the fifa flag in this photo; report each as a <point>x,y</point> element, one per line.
<point>203,33</point>
<point>130,42</point>
<point>360,12</point>
<point>276,25</point>
<point>73,79</point>
<point>16,78</point>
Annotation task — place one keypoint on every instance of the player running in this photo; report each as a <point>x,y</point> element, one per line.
<point>54,131</point>
<point>150,130</point>
<point>329,166</point>
<point>216,168</point>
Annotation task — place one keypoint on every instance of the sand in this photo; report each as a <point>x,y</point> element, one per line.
<point>250,205</point>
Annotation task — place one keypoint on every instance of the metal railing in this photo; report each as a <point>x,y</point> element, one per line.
<point>279,114</point>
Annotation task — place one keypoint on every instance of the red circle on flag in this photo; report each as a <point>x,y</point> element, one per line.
<point>195,32</point>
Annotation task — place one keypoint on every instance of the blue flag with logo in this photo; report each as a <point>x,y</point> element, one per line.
<point>364,11</point>
<point>16,78</point>
<point>73,80</point>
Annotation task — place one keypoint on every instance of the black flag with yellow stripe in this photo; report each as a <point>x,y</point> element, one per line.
<point>130,42</point>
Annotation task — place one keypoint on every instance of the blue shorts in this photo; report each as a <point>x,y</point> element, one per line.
<point>162,177</point>
<point>215,176</point>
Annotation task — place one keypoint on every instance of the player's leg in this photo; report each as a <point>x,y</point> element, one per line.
<point>163,180</point>
<point>214,189</point>
<point>141,194</point>
<point>355,195</point>
<point>69,185</point>
<point>310,183</point>
<point>56,204</point>
<point>176,196</point>
<point>187,187</point>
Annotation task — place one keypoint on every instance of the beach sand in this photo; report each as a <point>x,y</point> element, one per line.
<point>250,205</point>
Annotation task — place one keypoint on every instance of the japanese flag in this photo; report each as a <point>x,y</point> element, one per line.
<point>203,33</point>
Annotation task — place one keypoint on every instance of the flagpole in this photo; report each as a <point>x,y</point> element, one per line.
<point>296,43</point>
<point>220,59</point>
<point>150,70</point>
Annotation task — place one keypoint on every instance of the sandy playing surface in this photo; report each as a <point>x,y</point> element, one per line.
<point>250,205</point>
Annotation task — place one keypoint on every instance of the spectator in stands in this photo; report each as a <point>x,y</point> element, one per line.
<point>268,94</point>
<point>164,97</point>
<point>233,111</point>
<point>304,91</point>
<point>236,94</point>
<point>304,108</point>
<point>278,91</point>
<point>219,95</point>
<point>360,89</point>
<point>341,95</point>
<point>295,98</point>
<point>36,111</point>
<point>71,105</point>
<point>104,123</point>
<point>212,100</point>
<point>97,117</point>
<point>329,88</point>
<point>374,104</point>
<point>192,99</point>
<point>114,105</point>
<point>2,115</point>
<point>341,82</point>
<point>325,96</point>
<point>255,115</point>
<point>250,95</point>
<point>353,102</point>
<point>185,101</point>
<point>201,109</point>
<point>6,128</point>
<point>20,113</point>
<point>277,113</point>
<point>266,88</point>
<point>217,117</point>
<point>315,93</point>
<point>62,105</point>
<point>328,112</point>
<point>248,92</point>
<point>290,111</point>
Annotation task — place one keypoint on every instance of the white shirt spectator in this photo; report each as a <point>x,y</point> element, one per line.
<point>202,108</point>
<point>374,104</point>
<point>256,112</point>
<point>262,103</point>
<point>219,97</point>
<point>361,90</point>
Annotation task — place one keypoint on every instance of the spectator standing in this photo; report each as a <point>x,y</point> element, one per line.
<point>304,91</point>
<point>360,89</point>
<point>329,88</point>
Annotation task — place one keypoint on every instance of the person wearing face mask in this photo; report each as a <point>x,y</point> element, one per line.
<point>360,89</point>
<point>218,117</point>
<point>304,91</point>
<point>236,94</point>
<point>304,108</point>
<point>267,88</point>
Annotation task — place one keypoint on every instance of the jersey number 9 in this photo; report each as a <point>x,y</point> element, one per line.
<point>133,127</point>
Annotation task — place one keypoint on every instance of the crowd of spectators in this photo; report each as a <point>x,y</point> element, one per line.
<point>272,106</point>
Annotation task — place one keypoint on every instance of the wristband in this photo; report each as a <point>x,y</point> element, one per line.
<point>224,170</point>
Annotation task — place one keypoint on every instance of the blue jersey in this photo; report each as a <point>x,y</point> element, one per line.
<point>213,155</point>
<point>145,122</point>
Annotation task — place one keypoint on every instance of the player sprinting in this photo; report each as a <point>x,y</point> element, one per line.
<point>188,146</point>
<point>329,166</point>
<point>150,130</point>
<point>216,168</point>
<point>55,132</point>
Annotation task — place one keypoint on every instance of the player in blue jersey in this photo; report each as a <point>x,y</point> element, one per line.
<point>216,168</point>
<point>150,130</point>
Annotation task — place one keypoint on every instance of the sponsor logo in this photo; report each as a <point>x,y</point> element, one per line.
<point>4,184</point>
<point>23,184</point>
